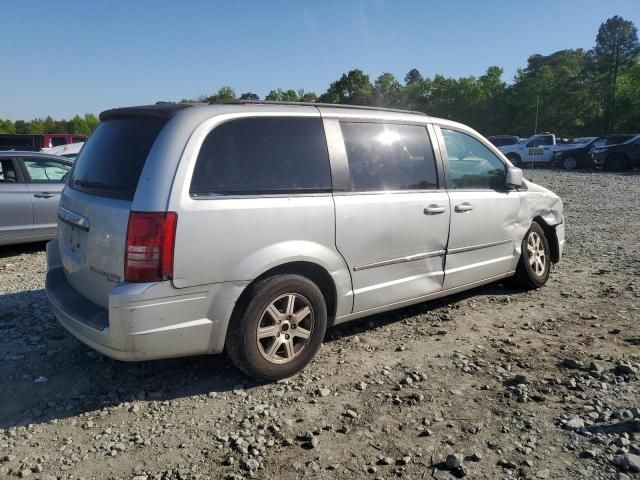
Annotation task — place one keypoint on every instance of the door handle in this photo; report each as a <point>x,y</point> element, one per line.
<point>434,209</point>
<point>43,195</point>
<point>463,207</point>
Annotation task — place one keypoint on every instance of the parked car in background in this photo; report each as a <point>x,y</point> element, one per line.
<point>188,229</point>
<point>579,156</point>
<point>36,143</point>
<point>619,157</point>
<point>503,140</point>
<point>69,151</point>
<point>30,186</point>
<point>535,149</point>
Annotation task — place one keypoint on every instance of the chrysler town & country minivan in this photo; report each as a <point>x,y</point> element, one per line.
<point>253,227</point>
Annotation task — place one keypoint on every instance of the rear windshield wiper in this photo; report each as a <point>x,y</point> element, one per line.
<point>90,183</point>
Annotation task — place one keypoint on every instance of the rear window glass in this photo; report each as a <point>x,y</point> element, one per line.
<point>17,142</point>
<point>263,155</point>
<point>111,160</point>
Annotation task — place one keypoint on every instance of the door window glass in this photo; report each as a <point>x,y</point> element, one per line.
<point>540,141</point>
<point>389,157</point>
<point>7,171</point>
<point>471,164</point>
<point>46,171</point>
<point>263,155</point>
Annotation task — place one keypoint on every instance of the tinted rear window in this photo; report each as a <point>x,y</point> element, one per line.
<point>111,160</point>
<point>263,155</point>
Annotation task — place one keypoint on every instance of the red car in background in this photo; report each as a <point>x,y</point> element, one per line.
<point>35,143</point>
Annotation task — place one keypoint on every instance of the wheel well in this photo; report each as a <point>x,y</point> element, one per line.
<point>313,272</point>
<point>552,238</point>
<point>513,156</point>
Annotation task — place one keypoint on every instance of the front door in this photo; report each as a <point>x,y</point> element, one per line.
<point>484,212</point>
<point>539,149</point>
<point>16,217</point>
<point>392,221</point>
<point>45,179</point>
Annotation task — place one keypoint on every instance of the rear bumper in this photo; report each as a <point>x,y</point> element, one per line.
<point>143,321</point>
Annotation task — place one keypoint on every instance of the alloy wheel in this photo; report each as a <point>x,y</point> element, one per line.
<point>536,254</point>
<point>285,327</point>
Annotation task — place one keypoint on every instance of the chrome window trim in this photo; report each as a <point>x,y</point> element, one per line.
<point>222,196</point>
<point>478,247</point>
<point>393,261</point>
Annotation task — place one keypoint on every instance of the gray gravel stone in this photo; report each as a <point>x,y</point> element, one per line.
<point>454,461</point>
<point>628,461</point>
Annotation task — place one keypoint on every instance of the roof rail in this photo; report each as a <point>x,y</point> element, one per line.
<point>313,104</point>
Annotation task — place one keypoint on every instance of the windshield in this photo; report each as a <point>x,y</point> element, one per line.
<point>112,159</point>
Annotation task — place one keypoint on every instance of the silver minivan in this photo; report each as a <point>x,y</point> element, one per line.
<point>252,227</point>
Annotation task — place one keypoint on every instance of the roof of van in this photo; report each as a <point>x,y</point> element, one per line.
<point>168,109</point>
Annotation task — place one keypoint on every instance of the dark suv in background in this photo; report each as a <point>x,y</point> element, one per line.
<point>502,140</point>
<point>579,155</point>
<point>619,157</point>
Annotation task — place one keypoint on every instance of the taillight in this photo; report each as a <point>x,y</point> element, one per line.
<point>149,249</point>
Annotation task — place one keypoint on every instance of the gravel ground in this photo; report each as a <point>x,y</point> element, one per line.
<point>493,383</point>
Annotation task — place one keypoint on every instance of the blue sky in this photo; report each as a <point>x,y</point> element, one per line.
<point>66,57</point>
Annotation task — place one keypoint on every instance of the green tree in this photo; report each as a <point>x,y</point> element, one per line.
<point>91,121</point>
<point>280,95</point>
<point>224,93</point>
<point>413,76</point>
<point>628,100</point>
<point>352,88</point>
<point>387,91</point>
<point>310,97</point>
<point>36,126</point>
<point>21,126</point>
<point>617,49</point>
<point>7,126</point>
<point>249,96</point>
<point>79,125</point>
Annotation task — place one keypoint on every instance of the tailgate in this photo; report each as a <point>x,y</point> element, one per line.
<point>92,233</point>
<point>94,209</point>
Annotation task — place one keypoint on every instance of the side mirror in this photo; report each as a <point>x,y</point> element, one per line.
<point>514,177</point>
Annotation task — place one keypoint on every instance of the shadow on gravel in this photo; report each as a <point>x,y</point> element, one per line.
<point>20,249</point>
<point>629,426</point>
<point>382,319</point>
<point>47,374</point>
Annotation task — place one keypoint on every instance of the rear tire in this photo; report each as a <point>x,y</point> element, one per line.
<point>278,327</point>
<point>534,265</point>
<point>615,163</point>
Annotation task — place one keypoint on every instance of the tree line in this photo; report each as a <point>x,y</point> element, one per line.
<point>78,125</point>
<point>572,92</point>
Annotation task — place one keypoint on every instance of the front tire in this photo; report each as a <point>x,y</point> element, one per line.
<point>278,327</point>
<point>535,260</point>
<point>569,163</point>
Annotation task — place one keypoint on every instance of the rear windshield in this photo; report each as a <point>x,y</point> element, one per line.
<point>110,162</point>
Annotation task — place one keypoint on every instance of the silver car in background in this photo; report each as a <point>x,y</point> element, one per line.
<point>251,227</point>
<point>30,187</point>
